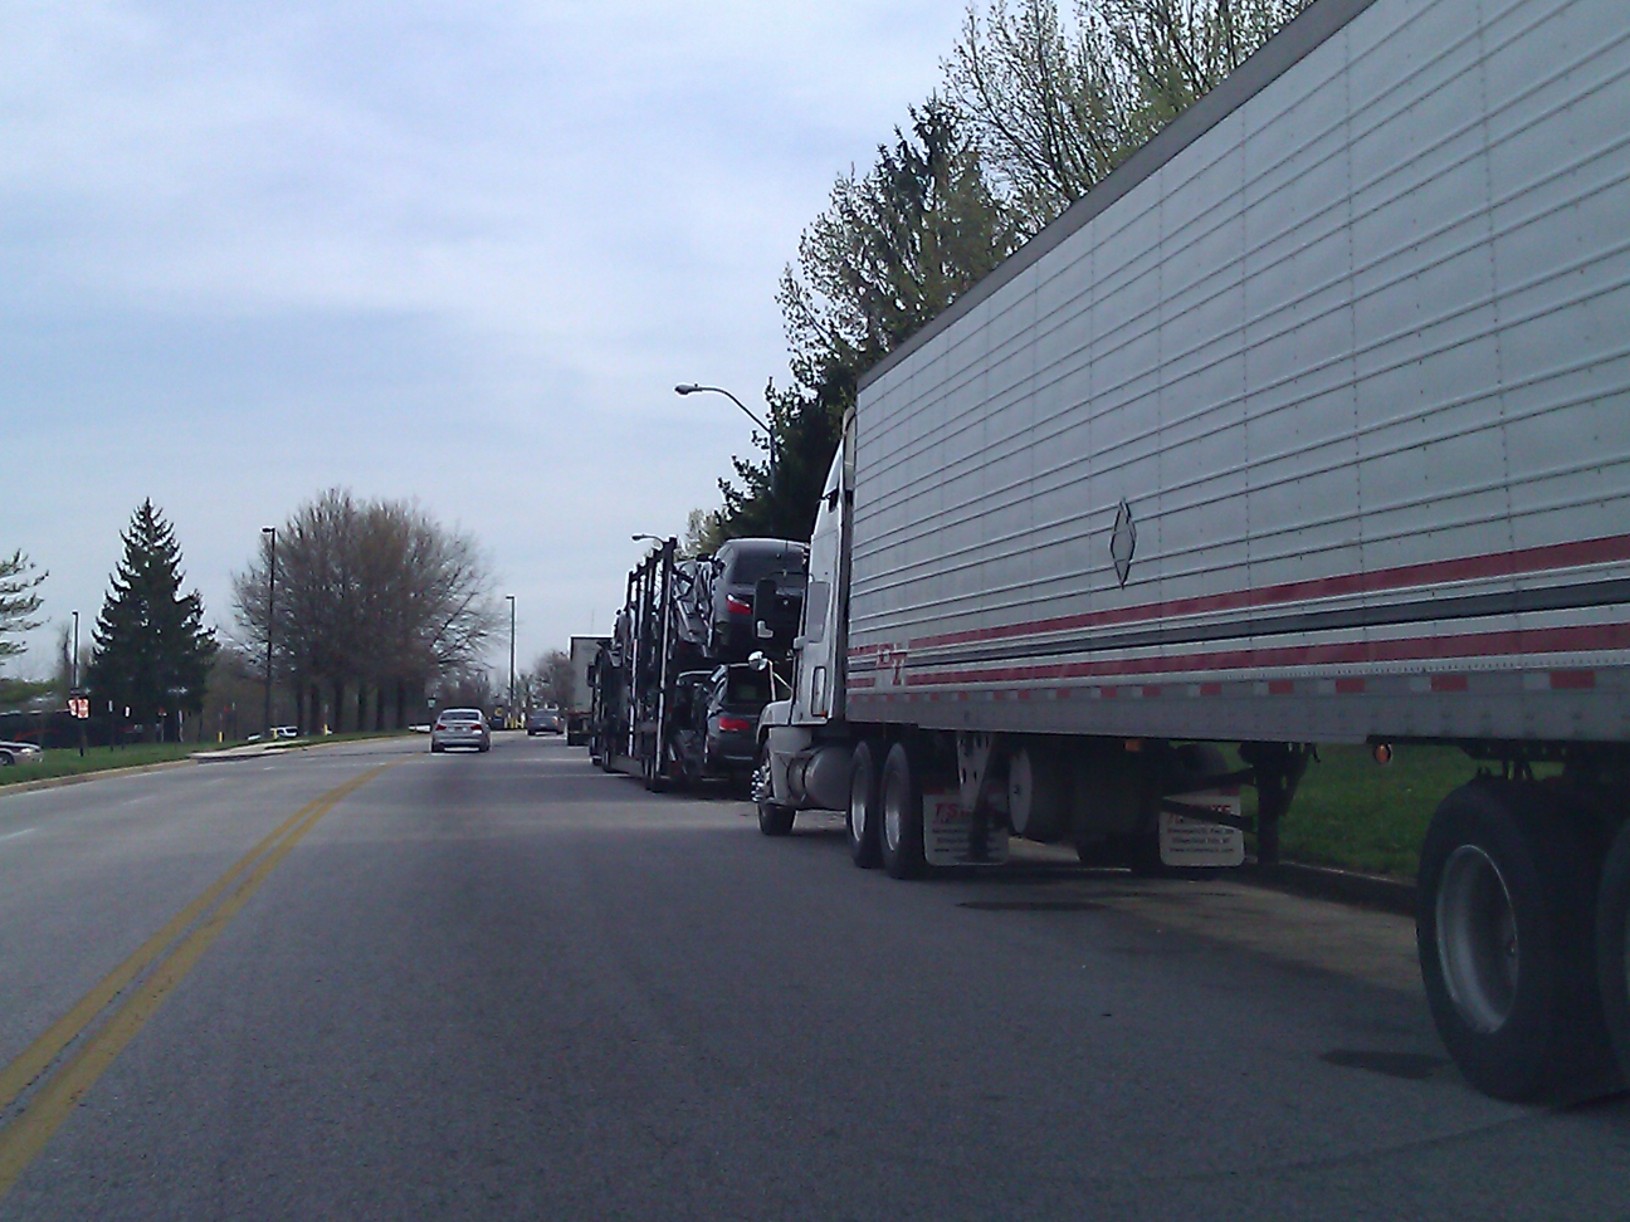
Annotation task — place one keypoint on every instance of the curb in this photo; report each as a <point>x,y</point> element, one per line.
<point>1393,895</point>
<point>81,778</point>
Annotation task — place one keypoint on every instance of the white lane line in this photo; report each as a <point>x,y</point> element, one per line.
<point>14,835</point>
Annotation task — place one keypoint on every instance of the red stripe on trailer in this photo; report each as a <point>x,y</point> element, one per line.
<point>1514,644</point>
<point>1449,683</point>
<point>1519,562</point>
<point>1350,687</point>
<point>1573,680</point>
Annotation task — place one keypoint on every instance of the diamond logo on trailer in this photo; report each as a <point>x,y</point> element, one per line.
<point>1123,542</point>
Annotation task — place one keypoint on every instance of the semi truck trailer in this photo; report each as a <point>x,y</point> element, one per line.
<point>1310,423</point>
<point>657,713</point>
<point>580,702</point>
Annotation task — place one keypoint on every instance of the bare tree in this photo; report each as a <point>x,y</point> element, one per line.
<point>1056,102</point>
<point>374,601</point>
<point>552,675</point>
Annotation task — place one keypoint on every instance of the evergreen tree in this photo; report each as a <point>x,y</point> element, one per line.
<point>19,600</point>
<point>152,651</point>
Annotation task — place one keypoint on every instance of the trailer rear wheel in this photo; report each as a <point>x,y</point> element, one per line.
<point>1613,946</point>
<point>651,766</point>
<point>1506,941</point>
<point>773,818</point>
<point>864,815</point>
<point>900,831</point>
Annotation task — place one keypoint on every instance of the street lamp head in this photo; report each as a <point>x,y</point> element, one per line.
<point>686,388</point>
<point>637,538</point>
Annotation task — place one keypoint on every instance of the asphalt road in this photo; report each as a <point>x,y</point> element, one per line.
<point>362,981</point>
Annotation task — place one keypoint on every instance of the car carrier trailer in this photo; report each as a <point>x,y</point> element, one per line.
<point>1310,423</point>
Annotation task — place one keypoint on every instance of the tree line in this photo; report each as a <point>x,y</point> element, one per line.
<point>1037,103</point>
<point>369,608</point>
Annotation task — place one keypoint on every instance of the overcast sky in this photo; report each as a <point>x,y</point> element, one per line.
<point>458,253</point>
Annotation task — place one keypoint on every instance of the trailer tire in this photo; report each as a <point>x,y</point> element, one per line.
<point>1613,946</point>
<point>1506,937</point>
<point>773,818</point>
<point>900,831</point>
<point>864,815</point>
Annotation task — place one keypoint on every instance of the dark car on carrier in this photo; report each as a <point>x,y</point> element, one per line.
<point>758,596</point>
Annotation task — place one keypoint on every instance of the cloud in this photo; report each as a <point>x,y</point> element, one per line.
<point>458,252</point>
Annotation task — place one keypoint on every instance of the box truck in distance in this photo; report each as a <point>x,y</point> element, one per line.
<point>1309,423</point>
<point>580,703</point>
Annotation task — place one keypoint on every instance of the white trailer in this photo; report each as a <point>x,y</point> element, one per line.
<point>1310,423</point>
<point>580,706</point>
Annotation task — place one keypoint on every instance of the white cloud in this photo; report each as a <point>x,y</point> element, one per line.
<point>461,252</point>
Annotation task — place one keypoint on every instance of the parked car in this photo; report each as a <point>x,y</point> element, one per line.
<point>461,728</point>
<point>545,721</point>
<point>19,753</point>
<point>736,696</point>
<point>738,568</point>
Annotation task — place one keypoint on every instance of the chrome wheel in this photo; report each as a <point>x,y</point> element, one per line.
<point>1477,940</point>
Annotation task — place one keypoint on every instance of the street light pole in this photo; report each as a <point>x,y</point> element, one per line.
<point>690,388</point>
<point>271,613</point>
<point>511,598</point>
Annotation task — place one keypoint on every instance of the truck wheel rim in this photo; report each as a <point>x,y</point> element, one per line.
<point>1477,939</point>
<point>857,807</point>
<point>893,814</point>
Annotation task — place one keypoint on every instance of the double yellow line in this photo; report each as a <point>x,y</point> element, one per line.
<point>159,965</point>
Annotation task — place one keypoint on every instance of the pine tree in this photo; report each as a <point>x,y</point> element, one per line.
<point>152,651</point>
<point>18,600</point>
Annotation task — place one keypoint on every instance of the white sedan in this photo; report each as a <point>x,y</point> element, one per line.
<point>19,753</point>
<point>460,728</point>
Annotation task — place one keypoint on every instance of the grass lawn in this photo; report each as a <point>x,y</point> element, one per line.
<point>1354,813</point>
<point>66,761</point>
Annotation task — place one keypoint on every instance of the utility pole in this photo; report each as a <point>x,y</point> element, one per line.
<point>271,608</point>
<point>511,598</point>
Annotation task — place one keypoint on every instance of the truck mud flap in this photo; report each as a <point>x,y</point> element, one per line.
<point>1203,829</point>
<point>949,837</point>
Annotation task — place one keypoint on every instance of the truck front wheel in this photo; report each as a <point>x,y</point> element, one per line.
<point>773,818</point>
<point>900,831</point>
<point>1613,946</point>
<point>1506,941</point>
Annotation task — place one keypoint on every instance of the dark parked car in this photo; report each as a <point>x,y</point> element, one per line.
<point>736,696</point>
<point>763,575</point>
<point>545,721</point>
<point>716,721</point>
